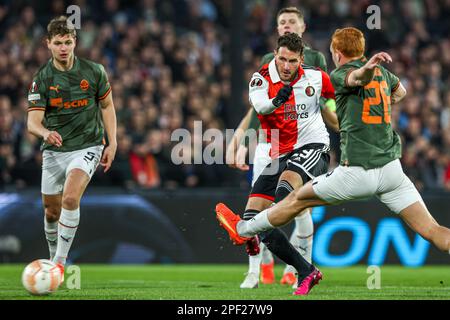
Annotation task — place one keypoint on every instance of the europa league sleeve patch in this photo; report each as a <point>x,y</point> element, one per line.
<point>256,83</point>
<point>33,87</point>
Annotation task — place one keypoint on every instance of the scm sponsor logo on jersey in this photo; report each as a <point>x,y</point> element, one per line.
<point>58,103</point>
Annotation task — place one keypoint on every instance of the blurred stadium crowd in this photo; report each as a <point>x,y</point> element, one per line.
<point>169,65</point>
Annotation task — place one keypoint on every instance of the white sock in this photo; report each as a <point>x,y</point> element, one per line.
<point>302,238</point>
<point>263,257</point>
<point>267,256</point>
<point>68,225</point>
<point>51,234</point>
<point>304,230</point>
<point>254,263</point>
<point>257,224</point>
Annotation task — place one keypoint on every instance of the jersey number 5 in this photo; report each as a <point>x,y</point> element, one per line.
<point>89,156</point>
<point>380,97</point>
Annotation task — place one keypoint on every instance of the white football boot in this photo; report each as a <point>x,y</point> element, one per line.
<point>251,281</point>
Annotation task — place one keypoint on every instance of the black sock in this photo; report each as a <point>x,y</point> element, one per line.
<point>283,190</point>
<point>279,244</point>
<point>248,214</point>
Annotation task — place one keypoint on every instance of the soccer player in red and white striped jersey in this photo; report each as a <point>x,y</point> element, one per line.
<point>286,97</point>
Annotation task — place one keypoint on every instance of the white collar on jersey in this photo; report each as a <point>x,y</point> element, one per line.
<point>273,72</point>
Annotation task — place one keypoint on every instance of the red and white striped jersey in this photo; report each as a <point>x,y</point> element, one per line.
<point>298,121</point>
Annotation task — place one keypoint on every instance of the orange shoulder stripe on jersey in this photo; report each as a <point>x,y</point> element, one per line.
<point>105,95</point>
<point>36,108</point>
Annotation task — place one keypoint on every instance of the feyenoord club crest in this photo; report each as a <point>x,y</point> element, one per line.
<point>84,85</point>
<point>256,83</point>
<point>310,91</point>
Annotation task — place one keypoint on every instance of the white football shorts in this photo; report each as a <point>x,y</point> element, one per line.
<point>56,166</point>
<point>388,183</point>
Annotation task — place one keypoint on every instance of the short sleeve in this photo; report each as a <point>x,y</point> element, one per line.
<point>327,86</point>
<point>37,95</point>
<point>339,78</point>
<point>392,80</point>
<point>104,87</point>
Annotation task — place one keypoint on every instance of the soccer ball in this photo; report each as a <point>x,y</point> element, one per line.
<point>41,277</point>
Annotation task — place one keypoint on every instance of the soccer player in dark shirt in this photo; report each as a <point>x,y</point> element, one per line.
<point>70,108</point>
<point>370,165</point>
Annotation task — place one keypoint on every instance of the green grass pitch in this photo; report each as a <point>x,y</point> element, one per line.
<point>203,282</point>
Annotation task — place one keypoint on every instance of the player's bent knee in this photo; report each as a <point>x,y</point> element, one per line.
<point>257,204</point>
<point>297,199</point>
<point>305,197</point>
<point>250,213</point>
<point>52,208</point>
<point>284,188</point>
<point>70,202</point>
<point>52,214</point>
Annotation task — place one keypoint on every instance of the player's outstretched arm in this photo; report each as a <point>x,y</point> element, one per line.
<point>110,123</point>
<point>362,76</point>
<point>35,127</point>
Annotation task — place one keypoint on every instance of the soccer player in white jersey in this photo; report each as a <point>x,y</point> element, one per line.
<point>289,20</point>
<point>286,97</point>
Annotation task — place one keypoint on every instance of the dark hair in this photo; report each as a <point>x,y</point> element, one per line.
<point>290,10</point>
<point>60,26</point>
<point>292,41</point>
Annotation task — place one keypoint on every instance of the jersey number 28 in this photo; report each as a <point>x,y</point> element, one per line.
<point>380,98</point>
